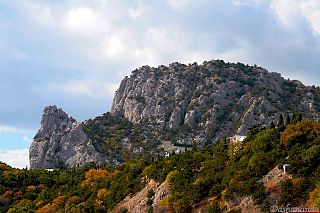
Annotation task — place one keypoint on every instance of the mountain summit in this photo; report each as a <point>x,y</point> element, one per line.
<point>182,104</point>
<point>61,141</point>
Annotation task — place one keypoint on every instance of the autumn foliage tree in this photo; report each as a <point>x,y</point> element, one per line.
<point>303,132</point>
<point>95,176</point>
<point>314,199</point>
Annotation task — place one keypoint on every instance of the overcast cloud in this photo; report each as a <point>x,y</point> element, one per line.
<point>74,53</point>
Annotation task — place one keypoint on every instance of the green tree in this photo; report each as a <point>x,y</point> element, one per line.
<point>280,124</point>
<point>288,120</point>
<point>272,126</point>
<point>286,192</point>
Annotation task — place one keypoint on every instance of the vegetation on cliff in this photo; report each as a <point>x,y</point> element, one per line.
<point>193,176</point>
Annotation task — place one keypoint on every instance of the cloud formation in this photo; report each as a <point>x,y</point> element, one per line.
<point>18,158</point>
<point>75,53</point>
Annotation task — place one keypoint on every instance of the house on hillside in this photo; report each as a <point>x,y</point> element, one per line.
<point>170,148</point>
<point>235,139</point>
<point>235,143</point>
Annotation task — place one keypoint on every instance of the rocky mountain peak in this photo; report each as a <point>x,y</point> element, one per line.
<point>54,119</point>
<point>61,141</point>
<point>211,100</point>
<point>181,104</point>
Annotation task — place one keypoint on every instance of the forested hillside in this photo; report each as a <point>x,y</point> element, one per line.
<point>216,173</point>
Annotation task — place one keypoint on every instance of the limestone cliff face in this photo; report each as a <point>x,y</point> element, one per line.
<point>212,100</point>
<point>179,103</point>
<point>61,141</point>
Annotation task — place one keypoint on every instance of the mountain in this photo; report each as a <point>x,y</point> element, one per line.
<point>185,104</point>
<point>61,141</point>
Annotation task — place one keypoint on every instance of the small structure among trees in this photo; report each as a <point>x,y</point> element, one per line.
<point>235,143</point>
<point>235,139</point>
<point>176,148</point>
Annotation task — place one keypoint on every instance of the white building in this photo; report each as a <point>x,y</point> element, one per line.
<point>175,148</point>
<point>236,138</point>
<point>235,143</point>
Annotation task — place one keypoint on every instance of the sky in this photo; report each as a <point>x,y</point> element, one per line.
<point>74,53</point>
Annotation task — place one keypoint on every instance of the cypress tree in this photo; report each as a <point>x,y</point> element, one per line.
<point>280,123</point>
<point>272,126</point>
<point>294,118</point>
<point>288,120</point>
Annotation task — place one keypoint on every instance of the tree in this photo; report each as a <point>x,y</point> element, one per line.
<point>302,132</point>
<point>254,130</point>
<point>272,126</point>
<point>294,118</point>
<point>214,208</point>
<point>95,176</point>
<point>314,198</point>
<point>280,124</point>
<point>287,189</point>
<point>288,120</point>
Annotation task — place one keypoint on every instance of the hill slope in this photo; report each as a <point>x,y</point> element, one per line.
<point>212,178</point>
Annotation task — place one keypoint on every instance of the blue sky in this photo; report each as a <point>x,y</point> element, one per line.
<point>74,53</point>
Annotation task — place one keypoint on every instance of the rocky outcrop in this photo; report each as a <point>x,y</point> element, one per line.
<point>179,103</point>
<point>213,100</point>
<point>61,141</point>
<point>138,202</point>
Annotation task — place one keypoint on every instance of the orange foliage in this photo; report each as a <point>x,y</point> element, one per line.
<point>116,173</point>
<point>31,188</point>
<point>73,200</point>
<point>40,203</point>
<point>299,130</point>
<point>58,201</point>
<point>53,207</point>
<point>271,186</point>
<point>314,198</point>
<point>8,193</point>
<point>94,176</point>
<point>102,193</point>
<point>98,202</point>
<point>46,209</point>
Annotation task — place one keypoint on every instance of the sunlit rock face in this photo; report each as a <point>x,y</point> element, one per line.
<point>212,100</point>
<point>61,142</point>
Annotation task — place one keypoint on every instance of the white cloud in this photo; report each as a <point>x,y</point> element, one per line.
<point>136,12</point>
<point>100,40</point>
<point>82,20</point>
<point>11,129</point>
<point>92,88</point>
<point>18,158</point>
<point>25,138</point>
<point>78,88</point>
<point>234,55</point>
<point>246,2</point>
<point>175,4</point>
<point>39,13</point>
<point>291,12</point>
<point>287,11</point>
<point>311,11</point>
<point>8,129</point>
<point>114,47</point>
